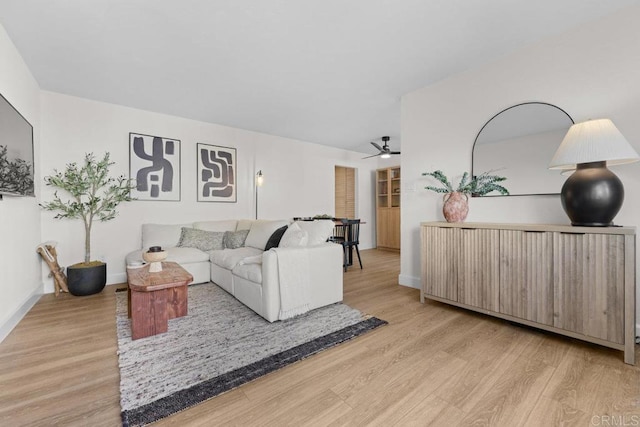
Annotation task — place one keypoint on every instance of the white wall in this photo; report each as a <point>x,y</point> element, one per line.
<point>298,176</point>
<point>20,283</point>
<point>590,72</point>
<point>521,158</point>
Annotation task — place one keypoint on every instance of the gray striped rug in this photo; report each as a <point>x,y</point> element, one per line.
<point>221,344</point>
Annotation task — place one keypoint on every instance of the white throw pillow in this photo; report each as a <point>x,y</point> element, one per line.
<point>260,232</point>
<point>294,236</point>
<point>319,231</point>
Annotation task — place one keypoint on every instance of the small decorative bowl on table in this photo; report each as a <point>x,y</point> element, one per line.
<point>154,256</point>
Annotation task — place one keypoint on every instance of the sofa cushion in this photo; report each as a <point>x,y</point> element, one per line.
<point>274,239</point>
<point>229,258</point>
<point>179,255</point>
<point>251,272</point>
<point>260,232</point>
<point>228,225</point>
<point>256,259</point>
<point>201,239</point>
<point>234,239</point>
<point>294,236</point>
<point>319,231</point>
<point>165,235</point>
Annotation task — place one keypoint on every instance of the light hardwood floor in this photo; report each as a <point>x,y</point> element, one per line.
<point>432,365</point>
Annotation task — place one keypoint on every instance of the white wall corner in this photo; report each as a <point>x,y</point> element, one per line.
<point>12,320</point>
<point>409,281</point>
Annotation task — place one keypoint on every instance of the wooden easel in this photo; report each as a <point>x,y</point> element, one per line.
<point>48,253</point>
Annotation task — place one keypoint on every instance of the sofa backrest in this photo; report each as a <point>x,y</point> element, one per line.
<point>225,225</point>
<point>244,224</point>
<point>168,235</point>
<point>165,235</point>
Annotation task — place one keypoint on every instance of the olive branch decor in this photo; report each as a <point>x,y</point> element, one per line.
<point>478,185</point>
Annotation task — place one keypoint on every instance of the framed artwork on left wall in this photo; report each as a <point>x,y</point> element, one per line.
<point>154,164</point>
<point>216,179</point>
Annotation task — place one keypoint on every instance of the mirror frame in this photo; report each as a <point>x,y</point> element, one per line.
<point>475,141</point>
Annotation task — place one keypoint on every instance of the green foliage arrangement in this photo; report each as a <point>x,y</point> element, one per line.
<point>479,185</point>
<point>94,194</point>
<point>15,175</point>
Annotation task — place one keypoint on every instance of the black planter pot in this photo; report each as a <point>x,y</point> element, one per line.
<point>86,280</point>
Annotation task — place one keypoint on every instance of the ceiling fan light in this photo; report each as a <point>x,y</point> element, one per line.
<point>385,156</point>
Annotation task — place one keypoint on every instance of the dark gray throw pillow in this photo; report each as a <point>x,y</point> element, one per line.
<point>275,238</point>
<point>235,239</point>
<point>201,239</point>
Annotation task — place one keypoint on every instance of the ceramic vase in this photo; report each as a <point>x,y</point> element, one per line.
<point>154,258</point>
<point>456,207</point>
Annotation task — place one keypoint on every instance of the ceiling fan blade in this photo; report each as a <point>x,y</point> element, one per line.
<point>375,155</point>
<point>394,152</point>
<point>377,146</point>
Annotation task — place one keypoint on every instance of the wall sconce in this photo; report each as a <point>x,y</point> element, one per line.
<point>592,195</point>
<point>259,182</point>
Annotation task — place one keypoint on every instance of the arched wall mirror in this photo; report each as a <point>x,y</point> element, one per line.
<point>518,143</point>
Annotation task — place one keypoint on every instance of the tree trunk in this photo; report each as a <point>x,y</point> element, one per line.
<point>87,243</point>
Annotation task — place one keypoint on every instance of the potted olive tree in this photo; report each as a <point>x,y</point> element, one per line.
<point>91,194</point>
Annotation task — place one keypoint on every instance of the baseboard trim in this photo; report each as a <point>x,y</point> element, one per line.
<point>409,281</point>
<point>116,279</point>
<point>112,279</point>
<point>13,320</point>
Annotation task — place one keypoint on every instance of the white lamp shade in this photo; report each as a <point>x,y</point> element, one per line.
<point>593,141</point>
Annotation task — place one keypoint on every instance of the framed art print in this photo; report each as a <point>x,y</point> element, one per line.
<point>216,173</point>
<point>154,164</point>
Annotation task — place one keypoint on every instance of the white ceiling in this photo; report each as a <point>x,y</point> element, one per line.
<point>324,71</point>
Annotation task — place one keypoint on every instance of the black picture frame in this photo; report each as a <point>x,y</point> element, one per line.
<point>216,168</point>
<point>154,165</point>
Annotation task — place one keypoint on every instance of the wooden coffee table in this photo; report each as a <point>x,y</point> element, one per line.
<point>154,298</point>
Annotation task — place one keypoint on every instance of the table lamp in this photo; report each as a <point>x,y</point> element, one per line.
<point>592,195</point>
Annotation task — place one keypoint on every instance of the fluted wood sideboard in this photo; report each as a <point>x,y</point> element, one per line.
<point>575,281</point>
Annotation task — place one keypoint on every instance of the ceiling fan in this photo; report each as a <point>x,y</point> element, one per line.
<point>385,151</point>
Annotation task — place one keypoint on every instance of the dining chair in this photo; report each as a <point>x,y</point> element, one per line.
<point>347,233</point>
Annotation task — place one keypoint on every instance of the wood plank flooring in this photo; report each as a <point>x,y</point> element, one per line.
<point>432,365</point>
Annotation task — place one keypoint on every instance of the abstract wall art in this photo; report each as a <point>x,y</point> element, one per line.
<point>216,173</point>
<point>154,164</point>
<point>16,152</point>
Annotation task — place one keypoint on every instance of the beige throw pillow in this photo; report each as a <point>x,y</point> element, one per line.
<point>260,232</point>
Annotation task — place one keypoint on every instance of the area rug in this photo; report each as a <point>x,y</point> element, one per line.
<point>221,344</point>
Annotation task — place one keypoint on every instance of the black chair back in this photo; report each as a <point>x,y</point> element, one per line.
<point>338,235</point>
<point>352,231</point>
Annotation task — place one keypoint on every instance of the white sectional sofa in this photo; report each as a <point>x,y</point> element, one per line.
<point>306,268</point>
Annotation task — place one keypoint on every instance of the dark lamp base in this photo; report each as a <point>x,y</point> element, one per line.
<point>591,224</point>
<point>592,196</point>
